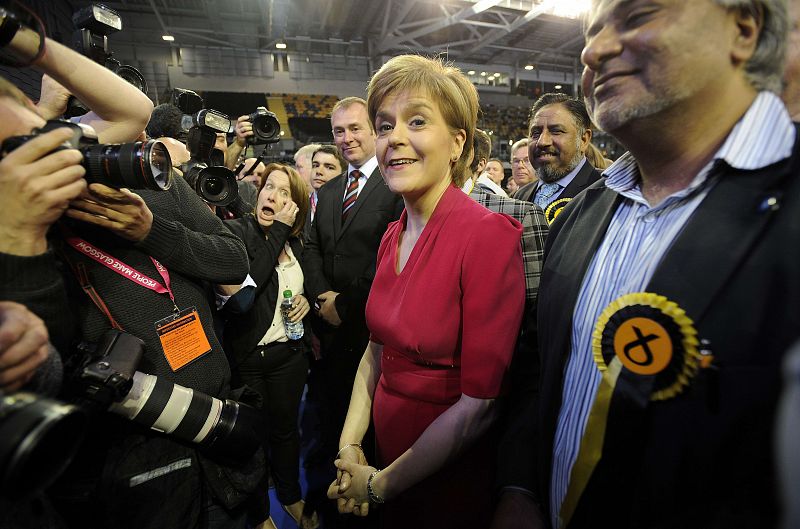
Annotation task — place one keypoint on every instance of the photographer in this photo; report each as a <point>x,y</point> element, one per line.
<point>126,475</point>
<point>243,130</point>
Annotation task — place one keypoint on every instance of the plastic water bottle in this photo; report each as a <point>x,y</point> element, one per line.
<point>294,329</point>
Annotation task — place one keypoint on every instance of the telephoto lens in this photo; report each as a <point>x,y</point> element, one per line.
<point>138,165</point>
<point>227,430</point>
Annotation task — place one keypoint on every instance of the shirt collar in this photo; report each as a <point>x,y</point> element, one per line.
<point>763,136</point>
<point>366,168</point>
<point>565,180</point>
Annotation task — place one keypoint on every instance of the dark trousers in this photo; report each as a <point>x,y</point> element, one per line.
<point>278,373</point>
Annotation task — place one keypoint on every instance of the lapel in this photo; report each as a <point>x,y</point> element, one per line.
<point>576,251</point>
<point>336,210</point>
<point>718,237</point>
<point>585,177</point>
<point>374,180</point>
<point>526,192</point>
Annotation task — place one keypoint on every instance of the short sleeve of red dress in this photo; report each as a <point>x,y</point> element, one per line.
<point>493,296</point>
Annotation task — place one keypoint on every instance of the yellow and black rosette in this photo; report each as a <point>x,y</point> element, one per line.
<point>651,336</point>
<point>554,209</point>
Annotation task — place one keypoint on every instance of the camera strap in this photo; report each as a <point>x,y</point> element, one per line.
<point>181,334</point>
<point>83,279</point>
<point>115,265</point>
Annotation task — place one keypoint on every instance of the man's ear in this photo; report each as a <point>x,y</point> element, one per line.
<point>749,23</point>
<point>586,139</point>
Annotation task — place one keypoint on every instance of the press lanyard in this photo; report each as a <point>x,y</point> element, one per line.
<point>128,272</point>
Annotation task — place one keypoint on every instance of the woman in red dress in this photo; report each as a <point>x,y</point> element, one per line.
<point>444,312</point>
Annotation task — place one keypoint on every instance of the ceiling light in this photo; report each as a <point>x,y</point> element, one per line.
<point>558,87</point>
<point>529,67</point>
<point>168,38</point>
<point>497,75</point>
<point>471,72</point>
<point>280,45</point>
<point>569,8</point>
<point>483,74</point>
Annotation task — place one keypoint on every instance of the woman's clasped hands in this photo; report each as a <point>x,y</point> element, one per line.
<point>349,489</point>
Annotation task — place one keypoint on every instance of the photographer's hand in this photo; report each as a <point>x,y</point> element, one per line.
<point>24,345</point>
<point>120,211</point>
<point>244,130</point>
<point>36,185</point>
<point>53,100</point>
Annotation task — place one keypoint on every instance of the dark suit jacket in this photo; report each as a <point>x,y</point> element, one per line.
<point>243,331</point>
<point>704,457</point>
<point>341,256</point>
<point>585,177</point>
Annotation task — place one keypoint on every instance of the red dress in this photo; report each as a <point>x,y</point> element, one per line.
<point>448,323</point>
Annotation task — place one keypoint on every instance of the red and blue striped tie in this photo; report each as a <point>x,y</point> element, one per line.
<point>351,194</point>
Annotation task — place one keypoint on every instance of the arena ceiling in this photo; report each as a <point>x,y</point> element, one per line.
<point>492,32</point>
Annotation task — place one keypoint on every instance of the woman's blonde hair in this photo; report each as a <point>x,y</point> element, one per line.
<point>297,189</point>
<point>446,86</point>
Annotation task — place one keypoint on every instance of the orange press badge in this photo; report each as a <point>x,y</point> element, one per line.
<point>182,338</point>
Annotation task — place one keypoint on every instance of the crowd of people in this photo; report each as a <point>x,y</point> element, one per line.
<point>596,344</point>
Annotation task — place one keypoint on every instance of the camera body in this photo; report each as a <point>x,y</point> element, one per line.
<point>94,23</point>
<point>215,183</point>
<point>266,128</point>
<point>102,374</point>
<point>137,165</point>
<point>205,171</point>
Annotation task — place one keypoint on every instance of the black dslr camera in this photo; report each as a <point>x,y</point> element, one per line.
<point>94,23</point>
<point>104,377</point>
<point>137,165</point>
<point>266,128</point>
<point>215,183</point>
<point>205,171</point>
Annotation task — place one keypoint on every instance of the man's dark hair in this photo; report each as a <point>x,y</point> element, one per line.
<point>333,151</point>
<point>166,121</point>
<point>482,147</point>
<point>575,107</point>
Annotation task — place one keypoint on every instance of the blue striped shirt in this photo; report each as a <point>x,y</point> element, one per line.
<point>634,245</point>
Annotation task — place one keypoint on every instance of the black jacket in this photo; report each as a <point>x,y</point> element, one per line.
<point>704,457</point>
<point>243,331</point>
<point>585,177</point>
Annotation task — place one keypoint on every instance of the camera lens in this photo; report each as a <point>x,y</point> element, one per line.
<point>213,186</point>
<point>265,128</point>
<point>132,75</point>
<point>139,165</point>
<point>38,438</point>
<point>217,185</point>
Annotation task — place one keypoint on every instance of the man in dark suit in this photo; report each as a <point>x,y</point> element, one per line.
<point>559,132</point>
<point>353,211</point>
<point>669,292</point>
<point>326,164</point>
